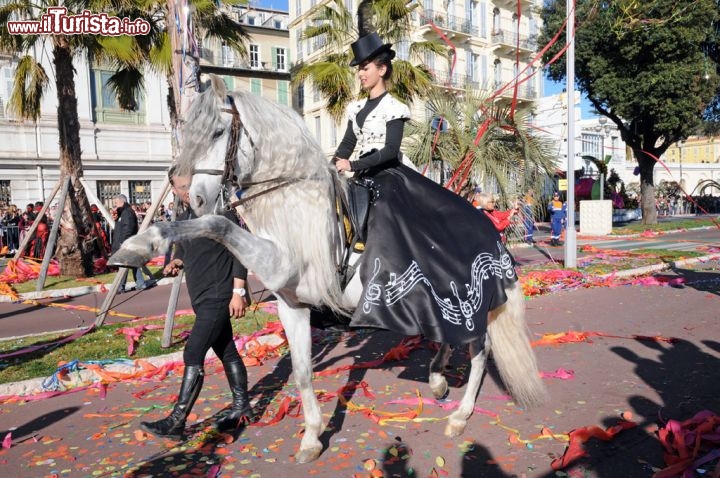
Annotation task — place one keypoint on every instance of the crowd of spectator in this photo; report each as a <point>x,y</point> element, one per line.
<point>15,224</point>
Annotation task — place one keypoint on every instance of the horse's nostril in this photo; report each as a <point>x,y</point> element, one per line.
<point>199,200</point>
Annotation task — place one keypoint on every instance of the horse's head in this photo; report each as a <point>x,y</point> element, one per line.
<point>209,150</point>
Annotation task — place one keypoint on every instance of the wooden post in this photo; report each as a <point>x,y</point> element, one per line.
<point>36,222</point>
<point>172,307</point>
<point>98,203</point>
<point>121,274</point>
<point>123,271</point>
<point>50,246</point>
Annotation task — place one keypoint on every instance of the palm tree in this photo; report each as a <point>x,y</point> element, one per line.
<point>154,51</point>
<point>128,54</point>
<point>333,28</point>
<point>31,82</point>
<point>482,142</point>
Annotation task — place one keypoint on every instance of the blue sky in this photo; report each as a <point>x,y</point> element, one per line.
<point>274,4</point>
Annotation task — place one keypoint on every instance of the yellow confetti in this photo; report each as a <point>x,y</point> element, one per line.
<point>369,465</point>
<point>440,461</point>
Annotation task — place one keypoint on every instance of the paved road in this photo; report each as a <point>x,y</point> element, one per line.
<point>622,372</point>
<point>25,319</point>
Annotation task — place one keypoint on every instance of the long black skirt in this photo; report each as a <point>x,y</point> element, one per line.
<point>433,264</point>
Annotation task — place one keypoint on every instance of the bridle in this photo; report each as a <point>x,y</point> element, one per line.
<point>229,178</point>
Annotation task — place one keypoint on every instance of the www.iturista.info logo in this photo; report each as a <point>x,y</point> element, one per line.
<point>56,21</point>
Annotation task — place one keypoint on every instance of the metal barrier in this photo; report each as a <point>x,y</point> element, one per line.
<point>11,237</point>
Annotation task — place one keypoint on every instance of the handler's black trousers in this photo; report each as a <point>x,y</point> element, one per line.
<point>212,328</point>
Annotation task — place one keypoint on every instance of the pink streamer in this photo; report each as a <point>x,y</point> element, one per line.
<point>560,373</point>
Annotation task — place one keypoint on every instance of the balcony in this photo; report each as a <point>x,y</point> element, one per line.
<point>525,92</point>
<point>456,81</point>
<point>506,42</point>
<point>452,26</point>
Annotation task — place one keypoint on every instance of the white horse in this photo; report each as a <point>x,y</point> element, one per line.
<point>289,203</point>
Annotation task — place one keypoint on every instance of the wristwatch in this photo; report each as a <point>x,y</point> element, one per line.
<point>241,291</point>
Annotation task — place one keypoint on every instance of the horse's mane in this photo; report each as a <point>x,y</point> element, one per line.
<point>299,217</point>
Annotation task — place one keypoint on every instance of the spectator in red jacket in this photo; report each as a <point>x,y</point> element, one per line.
<point>501,219</point>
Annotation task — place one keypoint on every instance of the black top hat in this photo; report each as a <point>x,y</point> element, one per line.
<point>368,47</point>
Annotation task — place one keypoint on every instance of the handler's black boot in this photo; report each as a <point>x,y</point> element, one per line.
<point>174,425</point>
<point>240,411</point>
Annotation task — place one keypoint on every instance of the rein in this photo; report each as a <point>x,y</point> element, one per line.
<point>229,178</point>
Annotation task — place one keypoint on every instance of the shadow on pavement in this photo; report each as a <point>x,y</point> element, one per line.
<point>699,280</point>
<point>31,428</point>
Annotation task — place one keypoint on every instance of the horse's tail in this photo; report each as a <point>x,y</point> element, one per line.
<point>511,349</point>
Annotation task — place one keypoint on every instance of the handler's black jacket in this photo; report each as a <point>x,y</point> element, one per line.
<point>209,267</point>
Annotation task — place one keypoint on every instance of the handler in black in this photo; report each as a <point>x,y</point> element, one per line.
<point>216,284</point>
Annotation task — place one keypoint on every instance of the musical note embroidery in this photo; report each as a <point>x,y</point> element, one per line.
<point>456,310</point>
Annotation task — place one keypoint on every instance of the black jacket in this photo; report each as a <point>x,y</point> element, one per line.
<point>209,267</point>
<point>126,226</point>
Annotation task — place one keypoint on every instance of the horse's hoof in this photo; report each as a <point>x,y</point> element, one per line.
<point>306,456</point>
<point>455,428</point>
<point>126,258</point>
<point>440,391</point>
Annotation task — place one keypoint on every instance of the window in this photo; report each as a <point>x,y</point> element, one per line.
<point>250,20</point>
<point>107,108</point>
<point>106,192</point>
<point>318,130</point>
<point>498,74</point>
<point>403,50</point>
<point>254,56</point>
<point>5,192</point>
<point>283,92</point>
<point>482,20</point>
<point>140,192</point>
<point>301,96</point>
<point>256,86</point>
<point>496,21</point>
<point>279,59</point>
<point>299,46</point>
<point>228,55</point>
<point>7,74</point>
<point>278,25</point>
<point>430,61</point>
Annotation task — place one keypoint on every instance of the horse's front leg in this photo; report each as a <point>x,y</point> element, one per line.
<point>296,322</point>
<point>457,421</point>
<point>437,381</point>
<point>267,261</point>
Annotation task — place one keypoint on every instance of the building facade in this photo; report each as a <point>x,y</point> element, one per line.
<point>129,152</point>
<point>122,151</point>
<point>488,37</point>
<point>689,163</point>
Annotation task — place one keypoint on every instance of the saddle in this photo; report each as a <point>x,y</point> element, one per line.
<point>352,210</point>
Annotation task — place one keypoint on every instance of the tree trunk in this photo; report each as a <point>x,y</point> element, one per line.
<point>75,244</point>
<point>647,187</point>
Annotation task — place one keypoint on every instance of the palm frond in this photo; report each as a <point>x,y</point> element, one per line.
<point>29,84</point>
<point>127,83</point>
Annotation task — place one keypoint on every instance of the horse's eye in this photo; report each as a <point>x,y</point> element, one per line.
<point>217,133</point>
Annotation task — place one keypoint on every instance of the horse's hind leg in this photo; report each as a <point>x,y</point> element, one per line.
<point>457,421</point>
<point>437,381</point>
<point>296,322</point>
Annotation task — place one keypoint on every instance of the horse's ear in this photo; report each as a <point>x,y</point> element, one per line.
<point>218,86</point>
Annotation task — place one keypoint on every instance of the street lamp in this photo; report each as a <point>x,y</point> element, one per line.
<point>680,150</point>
